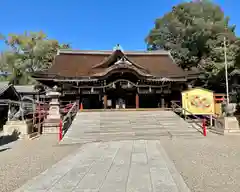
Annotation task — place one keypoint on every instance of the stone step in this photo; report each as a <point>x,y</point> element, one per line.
<point>107,126</point>
<point>115,121</point>
<point>132,135</point>
<point>103,131</point>
<point>130,119</point>
<point>129,123</point>
<point>129,127</point>
<point>153,130</point>
<point>105,139</point>
<point>138,116</point>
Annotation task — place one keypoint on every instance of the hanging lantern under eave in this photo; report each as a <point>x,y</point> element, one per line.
<point>128,85</point>
<point>92,90</point>
<point>150,89</point>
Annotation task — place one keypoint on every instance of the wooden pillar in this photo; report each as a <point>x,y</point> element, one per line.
<point>162,102</point>
<point>9,111</point>
<point>78,101</point>
<point>137,100</point>
<point>39,127</point>
<point>105,101</point>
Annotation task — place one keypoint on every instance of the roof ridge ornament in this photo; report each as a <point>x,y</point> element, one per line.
<point>117,47</point>
<point>123,60</point>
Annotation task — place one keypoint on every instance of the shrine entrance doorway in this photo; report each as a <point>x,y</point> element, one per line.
<point>120,98</point>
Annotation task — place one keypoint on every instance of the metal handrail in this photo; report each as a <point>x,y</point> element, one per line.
<point>176,106</point>
<point>68,118</point>
<point>183,109</point>
<point>215,120</point>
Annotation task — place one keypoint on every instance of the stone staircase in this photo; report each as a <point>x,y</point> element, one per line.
<point>125,125</point>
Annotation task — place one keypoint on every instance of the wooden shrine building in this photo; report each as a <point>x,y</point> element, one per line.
<point>116,79</point>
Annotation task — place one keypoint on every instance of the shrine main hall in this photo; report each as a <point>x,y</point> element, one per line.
<point>116,79</point>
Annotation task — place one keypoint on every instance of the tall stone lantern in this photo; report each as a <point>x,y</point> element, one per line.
<point>51,124</point>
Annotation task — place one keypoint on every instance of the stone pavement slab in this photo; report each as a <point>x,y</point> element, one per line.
<point>115,166</point>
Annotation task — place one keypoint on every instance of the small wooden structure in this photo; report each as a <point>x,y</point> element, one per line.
<point>7,92</point>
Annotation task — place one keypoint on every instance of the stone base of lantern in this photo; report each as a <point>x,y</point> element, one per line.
<point>51,126</point>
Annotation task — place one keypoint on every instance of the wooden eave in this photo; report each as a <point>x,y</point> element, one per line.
<point>49,76</point>
<point>164,79</point>
<point>99,76</point>
<point>121,65</point>
<point>190,75</point>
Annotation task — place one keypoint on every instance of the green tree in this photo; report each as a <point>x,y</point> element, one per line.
<point>237,58</point>
<point>194,32</point>
<point>28,53</point>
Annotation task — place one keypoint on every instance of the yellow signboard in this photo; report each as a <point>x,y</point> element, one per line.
<point>198,101</point>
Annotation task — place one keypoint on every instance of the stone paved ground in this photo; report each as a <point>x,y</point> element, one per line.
<point>208,165</point>
<point>24,159</point>
<point>131,166</point>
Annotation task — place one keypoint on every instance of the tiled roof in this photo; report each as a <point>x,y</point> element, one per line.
<point>69,63</point>
<point>3,86</point>
<point>8,91</point>
<point>109,52</point>
<point>24,88</point>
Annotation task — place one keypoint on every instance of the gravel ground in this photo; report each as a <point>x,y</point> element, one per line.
<point>24,159</point>
<point>210,164</point>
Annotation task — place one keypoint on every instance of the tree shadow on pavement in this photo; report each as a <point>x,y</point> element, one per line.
<point>5,139</point>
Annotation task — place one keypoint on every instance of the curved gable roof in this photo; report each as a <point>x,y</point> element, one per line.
<point>69,63</point>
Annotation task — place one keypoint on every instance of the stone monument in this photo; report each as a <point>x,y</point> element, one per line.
<point>228,123</point>
<point>18,128</point>
<point>16,125</point>
<point>51,124</point>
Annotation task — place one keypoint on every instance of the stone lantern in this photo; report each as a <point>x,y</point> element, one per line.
<point>51,124</point>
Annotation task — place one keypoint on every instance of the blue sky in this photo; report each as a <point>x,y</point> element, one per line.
<point>93,24</point>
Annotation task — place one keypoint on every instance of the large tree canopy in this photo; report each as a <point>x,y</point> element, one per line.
<point>27,53</point>
<point>194,34</point>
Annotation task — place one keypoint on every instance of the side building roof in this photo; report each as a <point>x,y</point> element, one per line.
<point>8,91</point>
